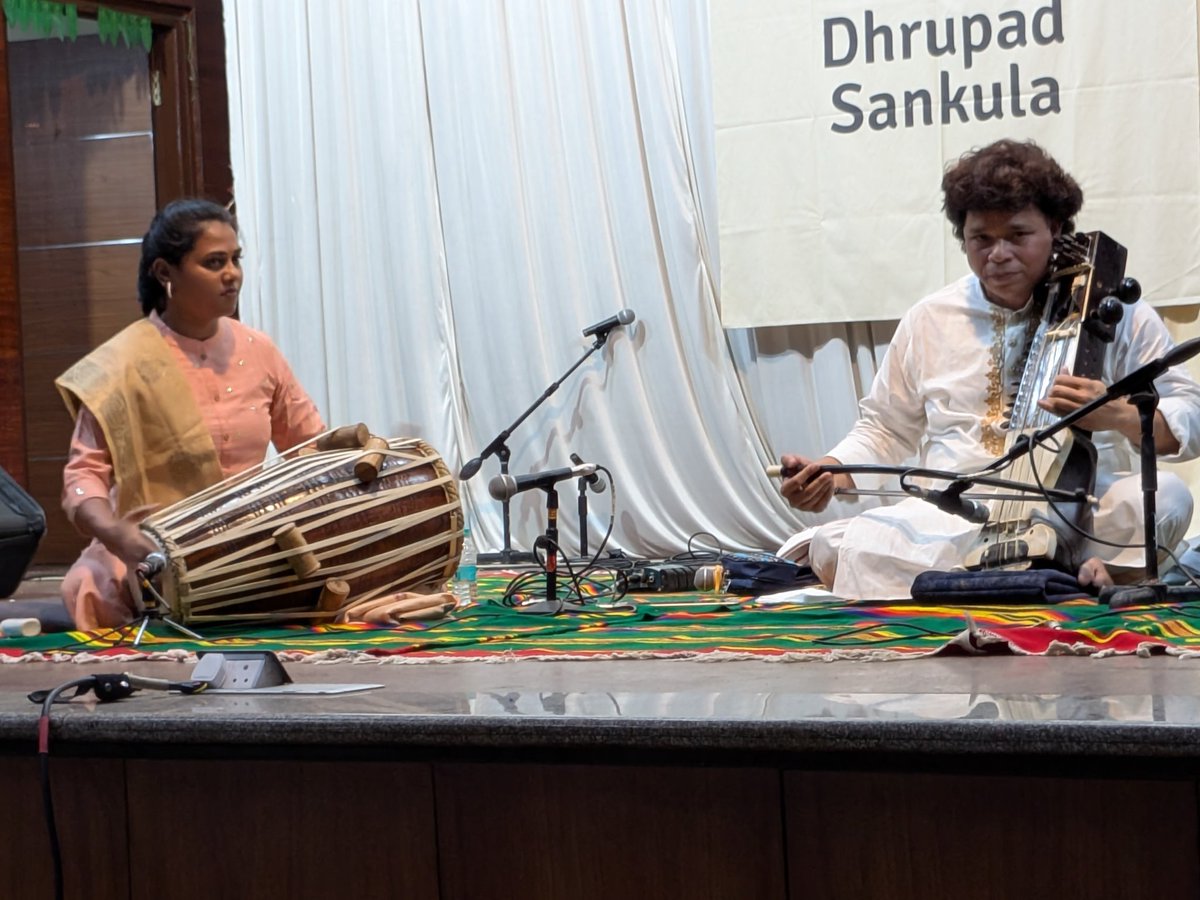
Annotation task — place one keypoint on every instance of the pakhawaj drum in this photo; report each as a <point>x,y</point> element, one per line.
<point>271,542</point>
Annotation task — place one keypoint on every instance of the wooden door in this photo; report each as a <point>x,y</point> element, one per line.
<point>100,136</point>
<point>83,156</point>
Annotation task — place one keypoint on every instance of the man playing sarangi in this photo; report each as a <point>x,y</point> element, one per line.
<point>944,387</point>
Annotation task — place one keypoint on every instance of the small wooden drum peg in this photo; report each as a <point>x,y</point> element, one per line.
<point>367,468</point>
<point>302,560</point>
<point>348,437</point>
<point>333,595</point>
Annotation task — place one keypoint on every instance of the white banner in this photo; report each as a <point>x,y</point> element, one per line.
<point>835,121</point>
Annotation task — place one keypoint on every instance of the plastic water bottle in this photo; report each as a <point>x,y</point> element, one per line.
<point>465,577</point>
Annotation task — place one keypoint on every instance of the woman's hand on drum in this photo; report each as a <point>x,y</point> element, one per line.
<point>122,537</point>
<point>811,489</point>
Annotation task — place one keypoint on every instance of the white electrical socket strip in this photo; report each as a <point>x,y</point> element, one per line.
<point>294,688</point>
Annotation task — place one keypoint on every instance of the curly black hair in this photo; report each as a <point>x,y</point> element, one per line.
<point>1008,176</point>
<point>172,235</point>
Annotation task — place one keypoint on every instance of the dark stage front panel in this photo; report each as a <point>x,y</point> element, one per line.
<point>854,836</point>
<point>280,829</point>
<point>543,832</point>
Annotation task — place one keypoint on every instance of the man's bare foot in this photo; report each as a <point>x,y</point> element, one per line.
<point>1094,572</point>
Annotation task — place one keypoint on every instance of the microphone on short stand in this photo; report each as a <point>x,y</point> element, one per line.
<point>597,484</point>
<point>153,564</point>
<point>952,501</point>
<point>502,487</point>
<point>601,329</point>
<point>591,482</point>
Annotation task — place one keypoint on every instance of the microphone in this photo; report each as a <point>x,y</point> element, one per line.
<point>953,502</point>
<point>594,481</point>
<point>601,329</point>
<point>470,468</point>
<point>153,564</point>
<point>709,578</point>
<point>502,487</point>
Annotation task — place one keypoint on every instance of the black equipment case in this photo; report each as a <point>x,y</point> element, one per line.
<point>22,524</point>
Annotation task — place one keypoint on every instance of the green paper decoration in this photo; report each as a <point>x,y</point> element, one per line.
<point>61,20</point>
<point>130,28</point>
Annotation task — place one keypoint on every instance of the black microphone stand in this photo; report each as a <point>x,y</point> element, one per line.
<point>549,544</point>
<point>1151,590</point>
<point>499,448</point>
<point>582,506</point>
<point>1139,387</point>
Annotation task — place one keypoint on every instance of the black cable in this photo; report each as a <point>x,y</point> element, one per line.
<point>530,587</point>
<point>1085,534</point>
<point>523,589</point>
<point>48,699</point>
<point>100,636</point>
<point>107,689</point>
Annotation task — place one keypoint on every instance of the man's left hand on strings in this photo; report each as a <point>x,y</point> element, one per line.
<point>1070,392</point>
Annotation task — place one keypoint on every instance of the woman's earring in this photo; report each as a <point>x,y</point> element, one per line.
<point>168,290</point>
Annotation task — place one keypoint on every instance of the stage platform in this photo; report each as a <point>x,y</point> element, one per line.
<point>1006,776</point>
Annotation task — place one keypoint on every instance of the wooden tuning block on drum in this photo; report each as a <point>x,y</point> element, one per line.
<point>333,598</point>
<point>348,437</point>
<point>303,561</point>
<point>367,468</point>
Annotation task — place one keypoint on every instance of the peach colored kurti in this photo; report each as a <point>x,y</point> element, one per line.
<point>248,398</point>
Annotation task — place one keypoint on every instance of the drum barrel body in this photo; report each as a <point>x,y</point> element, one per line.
<point>233,549</point>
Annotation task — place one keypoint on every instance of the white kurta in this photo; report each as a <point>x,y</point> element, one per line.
<point>938,401</point>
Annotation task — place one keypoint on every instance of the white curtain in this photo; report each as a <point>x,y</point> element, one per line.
<point>437,197</point>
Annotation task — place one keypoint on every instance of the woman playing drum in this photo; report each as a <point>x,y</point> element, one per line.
<point>172,404</point>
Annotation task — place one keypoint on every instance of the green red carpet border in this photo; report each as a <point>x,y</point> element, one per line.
<point>693,627</point>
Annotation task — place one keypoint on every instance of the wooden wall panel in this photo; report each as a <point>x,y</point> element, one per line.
<point>214,100</point>
<point>89,806</point>
<point>12,399</point>
<point>72,300</point>
<point>61,543</point>
<point>108,91</point>
<point>853,836</point>
<point>85,191</point>
<point>604,832</point>
<point>289,830</point>
<point>84,295</point>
